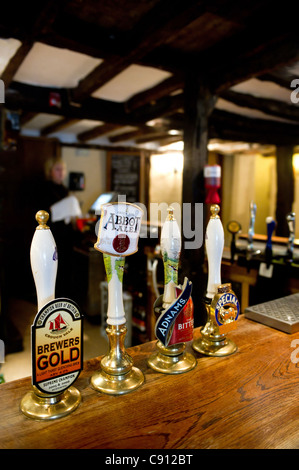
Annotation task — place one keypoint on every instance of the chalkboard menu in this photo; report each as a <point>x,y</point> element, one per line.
<point>125,175</point>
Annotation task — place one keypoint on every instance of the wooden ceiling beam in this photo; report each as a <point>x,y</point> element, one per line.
<point>162,107</point>
<point>26,117</point>
<point>36,99</point>
<point>171,139</point>
<point>257,60</point>
<point>167,87</point>
<point>222,124</point>
<point>230,126</point>
<point>157,136</point>
<point>156,28</point>
<point>15,62</point>
<point>125,136</point>
<point>58,126</point>
<point>44,19</point>
<point>98,131</point>
<point>145,130</point>
<point>279,79</point>
<point>266,105</point>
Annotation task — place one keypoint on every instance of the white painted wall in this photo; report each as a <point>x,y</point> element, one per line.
<point>248,178</point>
<point>92,163</point>
<point>166,184</point>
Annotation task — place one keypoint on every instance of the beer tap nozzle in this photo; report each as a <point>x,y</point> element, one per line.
<point>270,229</point>
<point>290,247</point>
<point>234,228</point>
<point>250,248</point>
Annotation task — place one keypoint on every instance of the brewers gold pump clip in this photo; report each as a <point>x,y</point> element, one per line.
<point>221,302</point>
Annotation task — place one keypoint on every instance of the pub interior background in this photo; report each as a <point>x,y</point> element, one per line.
<point>139,107</point>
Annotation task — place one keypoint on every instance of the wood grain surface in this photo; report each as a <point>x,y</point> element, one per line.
<point>245,401</point>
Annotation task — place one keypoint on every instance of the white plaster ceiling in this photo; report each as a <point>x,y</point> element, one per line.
<point>264,89</point>
<point>225,105</point>
<point>8,48</point>
<point>46,65</point>
<point>132,80</point>
<point>51,66</point>
<point>42,120</point>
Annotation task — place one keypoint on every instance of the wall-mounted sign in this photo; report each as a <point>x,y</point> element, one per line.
<point>124,175</point>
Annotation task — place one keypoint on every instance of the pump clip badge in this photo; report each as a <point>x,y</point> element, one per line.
<point>57,346</point>
<point>175,324</point>
<point>225,309</point>
<point>119,229</point>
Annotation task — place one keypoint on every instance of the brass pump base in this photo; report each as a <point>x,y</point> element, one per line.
<point>212,343</point>
<point>36,405</point>
<point>172,359</point>
<point>117,384</point>
<point>215,348</point>
<point>118,376</point>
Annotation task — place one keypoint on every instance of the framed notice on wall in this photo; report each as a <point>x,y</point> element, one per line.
<point>124,174</point>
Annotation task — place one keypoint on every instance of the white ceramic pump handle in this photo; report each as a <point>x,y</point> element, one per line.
<point>44,260</point>
<point>114,269</point>
<point>171,242</point>
<point>214,249</point>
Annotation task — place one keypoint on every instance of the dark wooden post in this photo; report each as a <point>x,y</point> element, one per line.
<point>285,188</point>
<point>199,104</point>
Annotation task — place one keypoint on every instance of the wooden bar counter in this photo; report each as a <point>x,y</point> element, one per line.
<point>249,400</point>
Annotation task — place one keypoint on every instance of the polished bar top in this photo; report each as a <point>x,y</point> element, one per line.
<point>249,400</point>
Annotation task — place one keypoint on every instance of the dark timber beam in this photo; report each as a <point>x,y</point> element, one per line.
<point>15,62</point>
<point>144,132</point>
<point>158,26</point>
<point>129,135</point>
<point>154,136</point>
<point>258,61</point>
<point>170,139</point>
<point>36,99</point>
<point>26,117</point>
<point>268,106</point>
<point>222,124</point>
<point>58,126</point>
<point>199,103</point>
<point>231,126</point>
<point>43,21</point>
<point>98,131</point>
<point>164,88</point>
<point>279,78</point>
<point>163,107</point>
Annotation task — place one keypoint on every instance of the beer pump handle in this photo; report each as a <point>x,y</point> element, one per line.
<point>114,266</point>
<point>171,249</point>
<point>233,248</point>
<point>233,227</point>
<point>270,229</point>
<point>291,224</point>
<point>214,249</point>
<point>251,225</point>
<point>43,258</point>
